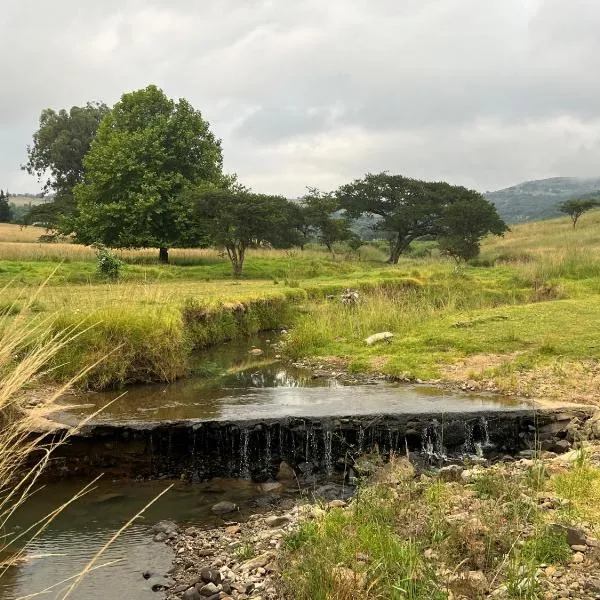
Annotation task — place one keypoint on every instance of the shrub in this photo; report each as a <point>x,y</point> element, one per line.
<point>108,264</point>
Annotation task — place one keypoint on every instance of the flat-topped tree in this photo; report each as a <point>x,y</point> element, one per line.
<point>576,208</point>
<point>146,150</point>
<point>410,209</point>
<point>237,219</point>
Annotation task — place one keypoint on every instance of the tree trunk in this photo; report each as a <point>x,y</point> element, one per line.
<point>396,250</point>
<point>163,255</point>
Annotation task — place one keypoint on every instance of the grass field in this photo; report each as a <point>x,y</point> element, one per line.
<point>522,318</point>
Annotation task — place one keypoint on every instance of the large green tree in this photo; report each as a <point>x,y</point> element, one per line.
<point>56,156</point>
<point>408,209</point>
<point>146,151</point>
<point>236,219</point>
<point>576,208</point>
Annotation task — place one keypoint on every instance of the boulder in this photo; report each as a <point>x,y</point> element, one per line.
<point>191,594</point>
<point>277,521</point>
<point>224,507</point>
<point>207,590</point>
<point>210,576</point>
<point>575,536</point>
<point>451,473</point>
<point>383,336</point>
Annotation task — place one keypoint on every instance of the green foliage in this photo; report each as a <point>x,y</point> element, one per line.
<point>108,264</point>
<point>547,546</point>
<point>410,209</point>
<point>59,146</point>
<point>576,208</point>
<point>236,220</point>
<point>146,150</point>
<point>5,208</point>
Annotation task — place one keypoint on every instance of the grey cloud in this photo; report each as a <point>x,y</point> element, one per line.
<point>315,93</point>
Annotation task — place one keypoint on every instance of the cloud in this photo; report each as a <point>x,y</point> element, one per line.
<point>316,93</point>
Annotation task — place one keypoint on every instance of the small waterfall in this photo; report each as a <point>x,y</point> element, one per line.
<point>432,441</point>
<point>469,446</point>
<point>361,439</point>
<point>268,454</point>
<point>245,461</point>
<point>328,454</point>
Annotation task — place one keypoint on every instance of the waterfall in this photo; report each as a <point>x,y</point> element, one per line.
<point>328,454</point>
<point>245,462</point>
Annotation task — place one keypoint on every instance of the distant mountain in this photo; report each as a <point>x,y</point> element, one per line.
<point>537,200</point>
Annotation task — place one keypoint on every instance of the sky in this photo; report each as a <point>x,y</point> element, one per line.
<point>482,93</point>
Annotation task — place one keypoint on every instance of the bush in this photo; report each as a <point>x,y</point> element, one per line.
<point>108,264</point>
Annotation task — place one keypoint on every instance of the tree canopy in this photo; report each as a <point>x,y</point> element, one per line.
<point>146,151</point>
<point>575,208</point>
<point>236,219</point>
<point>56,156</point>
<point>5,211</point>
<point>410,209</point>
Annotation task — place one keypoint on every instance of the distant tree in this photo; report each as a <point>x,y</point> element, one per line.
<point>319,209</point>
<point>575,208</point>
<point>56,155</point>
<point>5,211</point>
<point>146,151</point>
<point>236,219</point>
<point>410,209</point>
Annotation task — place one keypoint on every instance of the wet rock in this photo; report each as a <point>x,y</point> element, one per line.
<point>285,472</point>
<point>271,486</point>
<point>224,507</point>
<point>160,537</point>
<point>277,521</point>
<point>165,527</point>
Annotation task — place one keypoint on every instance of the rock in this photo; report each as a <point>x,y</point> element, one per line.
<point>277,521</point>
<point>347,579</point>
<point>160,537</point>
<point>255,352</point>
<point>578,558</point>
<point>285,472</point>
<point>451,473</point>
<point>233,529</point>
<point>575,537</point>
<point>337,504</point>
<point>191,594</point>
<point>210,589</point>
<point>258,561</point>
<point>210,576</point>
<point>224,507</point>
<point>579,548</point>
<point>271,486</point>
<point>166,527</point>
<point>472,584</point>
<point>362,557</point>
<point>384,336</point>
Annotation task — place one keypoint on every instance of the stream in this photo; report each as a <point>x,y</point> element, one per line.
<point>234,385</point>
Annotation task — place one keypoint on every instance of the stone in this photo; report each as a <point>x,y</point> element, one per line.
<point>191,594</point>
<point>471,584</point>
<point>277,521</point>
<point>160,537</point>
<point>271,486</point>
<point>233,529</point>
<point>255,352</point>
<point>383,336</point>
<point>578,558</point>
<point>258,561</point>
<point>285,472</point>
<point>209,589</point>
<point>575,536</point>
<point>165,527</point>
<point>579,548</point>
<point>337,503</point>
<point>224,507</point>
<point>451,473</point>
<point>347,579</point>
<point>210,576</point>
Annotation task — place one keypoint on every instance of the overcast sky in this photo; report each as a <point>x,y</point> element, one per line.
<point>484,93</point>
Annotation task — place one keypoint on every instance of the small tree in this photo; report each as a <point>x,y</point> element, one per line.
<point>465,223</point>
<point>5,211</point>
<point>237,219</point>
<point>575,208</point>
<point>319,209</point>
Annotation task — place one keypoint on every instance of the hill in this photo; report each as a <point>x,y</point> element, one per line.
<point>536,200</point>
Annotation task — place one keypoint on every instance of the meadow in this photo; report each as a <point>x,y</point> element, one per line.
<point>521,318</point>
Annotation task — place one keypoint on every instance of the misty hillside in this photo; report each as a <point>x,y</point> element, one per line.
<point>536,200</point>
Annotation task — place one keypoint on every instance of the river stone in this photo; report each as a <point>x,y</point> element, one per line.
<point>165,527</point>
<point>224,507</point>
<point>210,576</point>
<point>191,594</point>
<point>285,472</point>
<point>271,486</point>
<point>277,521</point>
<point>210,589</point>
